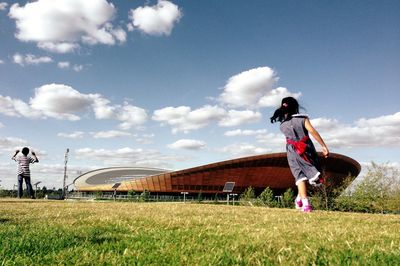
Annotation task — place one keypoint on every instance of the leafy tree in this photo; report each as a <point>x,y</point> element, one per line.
<point>267,198</point>
<point>324,196</point>
<point>377,191</point>
<point>200,196</point>
<point>248,196</point>
<point>131,194</point>
<point>145,196</point>
<point>288,198</point>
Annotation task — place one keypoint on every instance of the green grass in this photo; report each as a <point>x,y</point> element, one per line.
<point>114,233</point>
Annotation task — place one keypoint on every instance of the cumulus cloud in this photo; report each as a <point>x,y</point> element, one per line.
<point>73,135</point>
<point>273,98</point>
<point>63,102</point>
<point>60,101</point>
<point>236,118</point>
<point>3,5</point>
<point>383,131</point>
<point>243,149</point>
<point>30,59</point>
<point>247,132</point>
<point>17,108</point>
<point>183,119</point>
<point>67,65</point>
<point>10,144</point>
<point>1,62</point>
<point>129,115</point>
<point>110,134</point>
<point>60,25</point>
<point>63,65</point>
<point>188,144</point>
<point>275,142</point>
<point>60,48</point>
<point>145,138</point>
<point>77,68</point>
<point>128,157</point>
<point>155,20</point>
<point>245,89</point>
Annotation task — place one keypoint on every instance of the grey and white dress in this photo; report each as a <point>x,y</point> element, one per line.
<point>305,166</point>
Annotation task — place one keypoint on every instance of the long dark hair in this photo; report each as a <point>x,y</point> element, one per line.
<point>289,107</point>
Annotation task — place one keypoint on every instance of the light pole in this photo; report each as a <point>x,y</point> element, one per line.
<point>37,183</point>
<point>65,173</point>
<point>184,196</point>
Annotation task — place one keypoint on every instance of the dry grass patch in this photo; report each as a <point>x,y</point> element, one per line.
<point>93,233</point>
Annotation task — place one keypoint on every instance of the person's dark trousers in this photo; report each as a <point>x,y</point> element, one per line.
<point>28,185</point>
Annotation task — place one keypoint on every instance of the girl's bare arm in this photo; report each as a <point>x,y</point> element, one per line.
<point>317,136</point>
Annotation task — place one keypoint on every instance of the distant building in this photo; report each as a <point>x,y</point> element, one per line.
<point>259,172</point>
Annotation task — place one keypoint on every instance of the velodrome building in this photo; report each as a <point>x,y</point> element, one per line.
<point>259,172</point>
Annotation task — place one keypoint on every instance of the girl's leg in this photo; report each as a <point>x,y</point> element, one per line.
<point>302,188</point>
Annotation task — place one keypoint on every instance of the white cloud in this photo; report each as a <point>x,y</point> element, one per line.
<point>155,20</point>
<point>59,25</point>
<point>245,89</point>
<point>128,157</point>
<point>1,62</point>
<point>60,48</point>
<point>274,97</point>
<point>383,131</point>
<point>1,125</point>
<point>73,135</point>
<point>129,115</point>
<point>183,119</point>
<point>63,65</point>
<point>63,102</point>
<point>275,142</point>
<point>77,68</point>
<point>3,5</point>
<point>240,132</point>
<point>188,144</point>
<point>145,138</point>
<point>110,134</point>
<point>10,144</point>
<point>67,65</point>
<point>30,59</point>
<point>243,149</point>
<point>60,101</point>
<point>17,108</point>
<point>325,124</point>
<point>385,120</point>
<point>236,118</point>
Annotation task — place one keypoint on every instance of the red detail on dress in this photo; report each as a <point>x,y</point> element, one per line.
<point>300,146</point>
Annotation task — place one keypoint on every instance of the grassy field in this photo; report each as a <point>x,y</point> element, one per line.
<point>34,232</point>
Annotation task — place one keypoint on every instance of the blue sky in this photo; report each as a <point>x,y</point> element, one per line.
<point>177,84</point>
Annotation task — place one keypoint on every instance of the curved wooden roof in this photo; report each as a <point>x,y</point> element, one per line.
<point>261,171</point>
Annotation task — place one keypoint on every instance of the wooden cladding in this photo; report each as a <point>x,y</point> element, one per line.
<point>268,170</point>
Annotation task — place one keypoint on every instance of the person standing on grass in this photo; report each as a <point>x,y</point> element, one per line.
<point>301,154</point>
<point>23,170</point>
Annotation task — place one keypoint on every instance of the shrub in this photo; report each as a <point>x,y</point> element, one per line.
<point>288,199</point>
<point>131,194</point>
<point>248,196</point>
<point>377,191</point>
<point>145,196</point>
<point>267,198</point>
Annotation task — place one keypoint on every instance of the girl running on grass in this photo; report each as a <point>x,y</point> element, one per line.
<point>301,154</point>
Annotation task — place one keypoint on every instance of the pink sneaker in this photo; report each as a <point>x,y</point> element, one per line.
<point>307,208</point>
<point>298,204</point>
